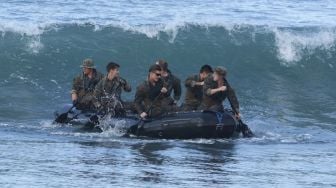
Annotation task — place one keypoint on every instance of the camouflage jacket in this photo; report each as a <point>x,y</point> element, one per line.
<point>194,92</point>
<point>217,99</point>
<point>148,98</point>
<point>173,84</point>
<point>107,88</point>
<point>83,85</point>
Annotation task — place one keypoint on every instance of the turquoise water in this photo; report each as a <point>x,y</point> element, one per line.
<point>281,62</point>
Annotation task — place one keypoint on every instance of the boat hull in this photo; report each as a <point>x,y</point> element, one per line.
<point>189,125</point>
<point>179,125</point>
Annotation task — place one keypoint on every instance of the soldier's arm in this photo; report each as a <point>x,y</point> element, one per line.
<point>75,88</point>
<point>189,82</point>
<point>98,92</point>
<point>192,81</point>
<point>76,84</point>
<point>139,98</point>
<point>165,86</point>
<point>126,86</point>
<point>177,89</point>
<point>232,98</point>
<point>208,89</point>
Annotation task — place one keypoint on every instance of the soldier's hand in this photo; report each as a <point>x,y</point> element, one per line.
<point>200,83</point>
<point>122,81</point>
<point>237,115</point>
<point>223,88</point>
<point>143,115</point>
<point>164,90</point>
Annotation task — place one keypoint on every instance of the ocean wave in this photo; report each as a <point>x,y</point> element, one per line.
<point>292,44</point>
<point>33,16</point>
<point>273,69</point>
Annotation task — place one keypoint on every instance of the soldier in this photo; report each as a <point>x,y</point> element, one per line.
<point>108,90</point>
<point>216,89</point>
<point>194,85</point>
<point>173,85</point>
<point>150,95</point>
<point>83,86</point>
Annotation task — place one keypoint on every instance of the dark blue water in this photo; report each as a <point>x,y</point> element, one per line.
<point>281,61</point>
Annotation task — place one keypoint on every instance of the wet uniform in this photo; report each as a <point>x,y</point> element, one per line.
<point>84,87</point>
<point>108,93</point>
<point>194,93</point>
<point>148,98</point>
<point>172,84</point>
<point>113,87</point>
<point>215,102</point>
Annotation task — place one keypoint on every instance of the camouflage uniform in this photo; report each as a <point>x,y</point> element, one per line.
<point>172,84</point>
<point>194,93</point>
<point>215,102</point>
<point>84,87</point>
<point>148,98</point>
<point>108,94</point>
<point>113,87</point>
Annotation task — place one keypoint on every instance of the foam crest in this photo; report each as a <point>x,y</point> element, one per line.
<point>34,45</point>
<point>293,46</point>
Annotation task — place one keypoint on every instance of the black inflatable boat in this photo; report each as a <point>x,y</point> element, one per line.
<point>187,125</point>
<point>179,125</point>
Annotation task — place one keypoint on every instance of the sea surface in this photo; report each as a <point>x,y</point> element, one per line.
<point>281,58</point>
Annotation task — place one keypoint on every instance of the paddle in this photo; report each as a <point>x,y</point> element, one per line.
<point>246,131</point>
<point>64,117</point>
<point>141,121</point>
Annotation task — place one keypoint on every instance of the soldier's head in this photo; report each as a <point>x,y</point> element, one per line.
<point>88,66</point>
<point>205,71</point>
<point>154,73</point>
<point>112,69</point>
<point>219,73</point>
<point>164,67</point>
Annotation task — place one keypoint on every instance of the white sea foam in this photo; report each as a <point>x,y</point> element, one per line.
<point>47,124</point>
<point>25,79</point>
<point>34,45</point>
<point>115,127</point>
<point>4,124</point>
<point>292,45</point>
